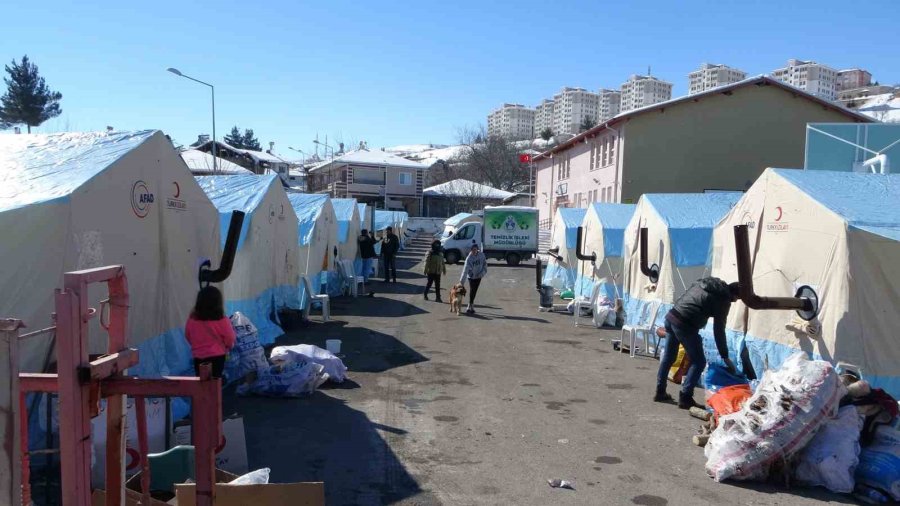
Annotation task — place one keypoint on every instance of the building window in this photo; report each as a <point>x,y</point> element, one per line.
<point>405,178</point>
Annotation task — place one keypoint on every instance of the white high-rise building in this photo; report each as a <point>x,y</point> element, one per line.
<point>511,121</point>
<point>711,75</point>
<point>570,108</point>
<point>811,77</point>
<point>641,91</point>
<point>610,104</point>
<point>543,117</point>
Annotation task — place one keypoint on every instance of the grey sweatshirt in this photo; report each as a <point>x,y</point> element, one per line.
<point>474,268</point>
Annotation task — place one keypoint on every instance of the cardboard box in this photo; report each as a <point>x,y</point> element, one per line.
<point>132,498</point>
<point>270,494</point>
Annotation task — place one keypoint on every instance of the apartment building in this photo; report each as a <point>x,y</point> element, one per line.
<point>570,108</point>
<point>641,91</point>
<point>712,75</point>
<point>850,79</point>
<point>610,103</point>
<point>720,139</point>
<point>811,77</point>
<point>512,121</point>
<point>543,116</point>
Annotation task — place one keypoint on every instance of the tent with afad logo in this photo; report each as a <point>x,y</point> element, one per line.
<point>562,270</point>
<point>76,201</point>
<point>264,278</point>
<point>604,236</point>
<point>838,233</point>
<point>679,233</point>
<point>317,237</point>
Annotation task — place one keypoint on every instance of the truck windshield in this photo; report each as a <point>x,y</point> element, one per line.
<point>466,232</point>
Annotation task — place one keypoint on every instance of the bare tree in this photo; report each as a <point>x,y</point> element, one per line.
<point>490,160</point>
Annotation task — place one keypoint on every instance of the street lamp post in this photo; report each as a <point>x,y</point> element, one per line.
<point>327,147</point>
<point>213,90</point>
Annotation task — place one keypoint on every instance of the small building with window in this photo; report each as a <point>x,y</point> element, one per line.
<point>720,139</point>
<point>377,178</point>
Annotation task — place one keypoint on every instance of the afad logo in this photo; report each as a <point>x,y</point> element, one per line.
<point>141,199</point>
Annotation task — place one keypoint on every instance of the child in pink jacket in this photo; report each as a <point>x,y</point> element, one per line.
<point>209,331</point>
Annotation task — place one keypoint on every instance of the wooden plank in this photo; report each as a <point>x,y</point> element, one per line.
<point>113,364</point>
<point>10,470</point>
<point>38,382</point>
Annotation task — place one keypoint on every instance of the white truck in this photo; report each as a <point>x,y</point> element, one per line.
<point>504,233</point>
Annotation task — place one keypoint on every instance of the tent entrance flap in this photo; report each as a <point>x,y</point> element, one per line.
<point>805,301</point>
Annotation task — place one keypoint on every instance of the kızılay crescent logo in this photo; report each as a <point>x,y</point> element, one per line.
<point>141,199</point>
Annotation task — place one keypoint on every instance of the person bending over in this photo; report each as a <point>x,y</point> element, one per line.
<point>706,298</point>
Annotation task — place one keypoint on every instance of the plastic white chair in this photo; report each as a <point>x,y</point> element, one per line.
<point>592,303</point>
<point>350,278</point>
<point>647,328</point>
<point>322,298</point>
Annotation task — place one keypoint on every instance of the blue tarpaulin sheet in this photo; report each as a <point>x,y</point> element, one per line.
<point>235,193</point>
<point>308,207</point>
<point>614,218</point>
<point>690,218</point>
<point>571,218</point>
<point>343,210</point>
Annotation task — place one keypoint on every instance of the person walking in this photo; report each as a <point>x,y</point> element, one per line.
<point>209,331</point>
<point>366,252</point>
<point>390,245</point>
<point>474,269</point>
<point>434,267</point>
<point>708,297</point>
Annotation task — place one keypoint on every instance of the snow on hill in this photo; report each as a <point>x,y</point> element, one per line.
<point>885,107</point>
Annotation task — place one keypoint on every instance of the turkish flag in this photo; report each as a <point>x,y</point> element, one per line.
<point>524,158</point>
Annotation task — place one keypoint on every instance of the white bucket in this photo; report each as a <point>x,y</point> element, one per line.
<point>333,345</point>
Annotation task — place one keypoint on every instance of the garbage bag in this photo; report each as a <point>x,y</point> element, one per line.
<point>879,463</point>
<point>290,379</point>
<point>247,355</point>
<point>258,477</point>
<point>775,423</point>
<point>333,365</point>
<point>729,400</point>
<point>831,457</point>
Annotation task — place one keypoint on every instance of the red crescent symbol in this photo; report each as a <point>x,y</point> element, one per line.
<point>780,213</point>
<point>177,189</point>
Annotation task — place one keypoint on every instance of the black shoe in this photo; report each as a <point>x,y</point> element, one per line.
<point>662,396</point>
<point>438,300</point>
<point>687,402</point>
<point>426,296</point>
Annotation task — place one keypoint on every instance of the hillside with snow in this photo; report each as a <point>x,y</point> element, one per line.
<point>885,107</point>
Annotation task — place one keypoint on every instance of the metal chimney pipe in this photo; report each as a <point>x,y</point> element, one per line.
<point>805,301</point>
<point>579,242</point>
<point>651,271</point>
<point>207,275</point>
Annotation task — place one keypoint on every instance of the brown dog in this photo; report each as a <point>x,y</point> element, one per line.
<point>457,294</point>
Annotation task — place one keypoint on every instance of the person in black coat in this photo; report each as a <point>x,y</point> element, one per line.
<point>390,245</point>
<point>707,298</point>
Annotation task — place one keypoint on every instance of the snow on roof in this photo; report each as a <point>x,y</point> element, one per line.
<point>406,149</point>
<point>432,156</point>
<point>841,193</point>
<point>884,107</point>
<point>38,168</point>
<point>202,162</point>
<point>366,157</point>
<point>262,156</point>
<point>466,188</point>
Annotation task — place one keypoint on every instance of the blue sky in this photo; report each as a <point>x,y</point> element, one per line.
<point>403,72</point>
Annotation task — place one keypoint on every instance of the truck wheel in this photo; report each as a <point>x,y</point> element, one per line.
<point>451,256</point>
<point>513,259</point>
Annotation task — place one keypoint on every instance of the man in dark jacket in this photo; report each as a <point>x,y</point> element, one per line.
<point>390,245</point>
<point>708,297</point>
<point>366,252</point>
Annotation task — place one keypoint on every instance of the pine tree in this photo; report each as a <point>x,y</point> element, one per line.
<point>234,138</point>
<point>587,123</point>
<point>27,100</point>
<point>546,134</point>
<point>250,141</point>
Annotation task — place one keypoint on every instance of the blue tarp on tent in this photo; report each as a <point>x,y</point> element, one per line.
<point>308,207</point>
<point>690,218</point>
<point>614,219</point>
<point>382,220</point>
<point>246,193</point>
<point>343,210</point>
<point>564,276</point>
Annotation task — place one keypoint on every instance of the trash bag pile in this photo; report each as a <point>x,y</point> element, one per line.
<point>805,422</point>
<point>291,371</point>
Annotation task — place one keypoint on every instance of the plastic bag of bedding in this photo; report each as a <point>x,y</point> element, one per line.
<point>292,379</point>
<point>784,413</point>
<point>831,457</point>
<point>333,365</point>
